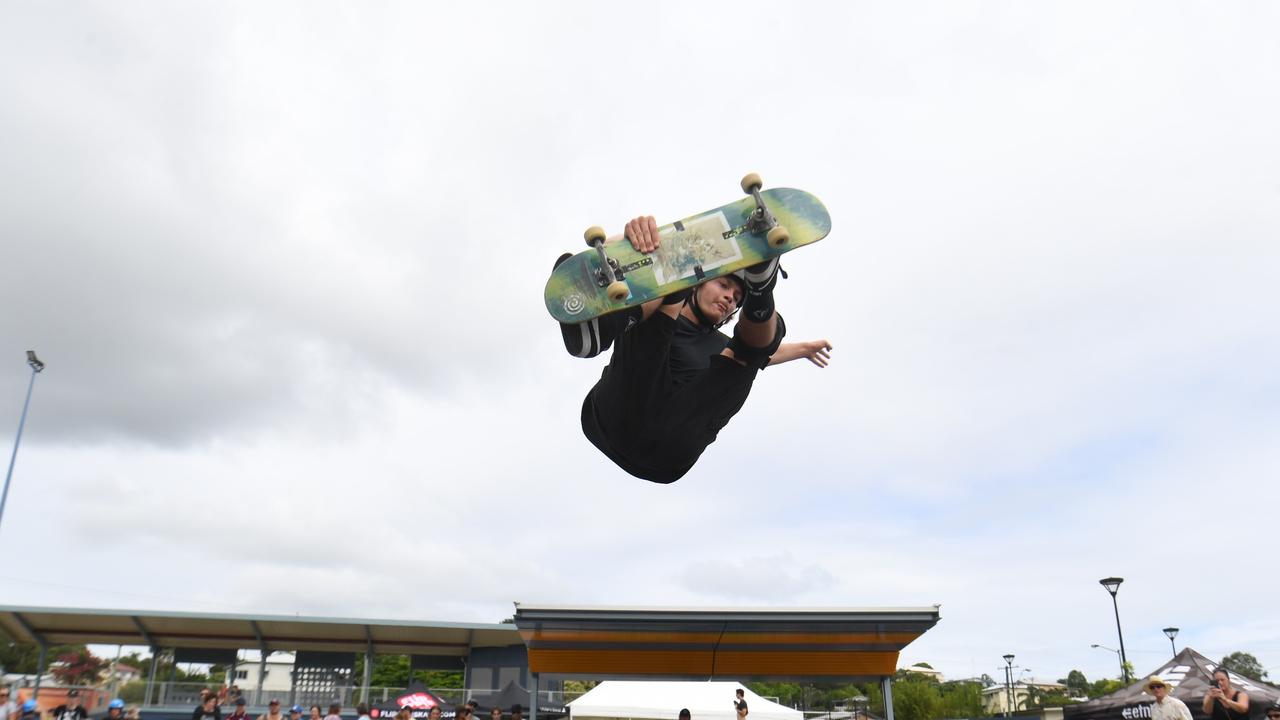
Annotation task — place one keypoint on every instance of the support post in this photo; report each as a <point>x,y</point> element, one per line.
<point>368,665</point>
<point>40,667</point>
<point>886,687</point>
<point>533,697</point>
<point>151,676</point>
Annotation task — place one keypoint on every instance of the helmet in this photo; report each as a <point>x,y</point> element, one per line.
<point>29,706</point>
<point>296,708</point>
<point>116,704</point>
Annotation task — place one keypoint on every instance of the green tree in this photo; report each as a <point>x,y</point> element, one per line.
<point>1098,688</point>
<point>961,699</point>
<point>1077,684</point>
<point>915,699</point>
<point>1245,664</point>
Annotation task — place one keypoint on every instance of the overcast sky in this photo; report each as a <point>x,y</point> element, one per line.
<point>285,260</point>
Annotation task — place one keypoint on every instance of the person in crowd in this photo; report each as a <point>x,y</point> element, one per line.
<point>208,709</point>
<point>115,709</point>
<point>29,711</point>
<point>404,714</point>
<point>362,712</point>
<point>295,712</point>
<point>473,708</point>
<point>495,714</point>
<point>335,712</point>
<point>740,704</point>
<point>1273,712</point>
<point>8,707</point>
<point>240,712</point>
<point>1223,701</point>
<point>462,713</point>
<point>273,711</point>
<point>1165,707</point>
<point>317,713</point>
<point>434,713</point>
<point>517,713</point>
<point>71,709</point>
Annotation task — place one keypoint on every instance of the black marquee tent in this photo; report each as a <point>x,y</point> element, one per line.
<point>513,694</point>
<point>1188,675</point>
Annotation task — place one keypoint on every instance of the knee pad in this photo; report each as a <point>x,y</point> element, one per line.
<point>757,357</point>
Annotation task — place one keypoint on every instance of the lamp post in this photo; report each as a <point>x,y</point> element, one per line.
<point>1008,684</point>
<point>1171,633</point>
<point>1112,584</point>
<point>36,367</point>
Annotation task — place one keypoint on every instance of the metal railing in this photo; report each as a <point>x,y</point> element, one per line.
<point>169,694</point>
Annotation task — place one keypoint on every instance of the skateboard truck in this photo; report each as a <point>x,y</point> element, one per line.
<point>608,275</point>
<point>761,220</point>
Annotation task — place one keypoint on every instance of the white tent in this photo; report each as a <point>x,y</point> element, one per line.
<point>643,700</point>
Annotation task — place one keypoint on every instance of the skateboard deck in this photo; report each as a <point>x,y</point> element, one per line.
<point>691,251</point>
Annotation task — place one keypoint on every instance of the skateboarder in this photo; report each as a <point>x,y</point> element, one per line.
<point>674,381</point>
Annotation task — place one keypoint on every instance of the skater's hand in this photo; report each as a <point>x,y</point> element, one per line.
<point>643,234</point>
<point>817,352</point>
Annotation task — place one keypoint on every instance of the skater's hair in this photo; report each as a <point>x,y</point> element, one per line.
<point>738,691</point>
<point>335,708</point>
<point>684,713</point>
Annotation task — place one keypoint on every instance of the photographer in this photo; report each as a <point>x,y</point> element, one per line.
<point>1223,701</point>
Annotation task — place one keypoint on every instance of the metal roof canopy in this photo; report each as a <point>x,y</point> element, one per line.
<point>704,643</point>
<point>57,626</point>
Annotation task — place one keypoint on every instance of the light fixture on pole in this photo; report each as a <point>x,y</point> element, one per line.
<point>1112,584</point>
<point>1171,633</point>
<point>36,367</point>
<point>1008,684</point>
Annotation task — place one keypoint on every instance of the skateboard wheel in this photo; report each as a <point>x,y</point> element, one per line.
<point>594,233</point>
<point>751,181</point>
<point>618,291</point>
<point>778,236</point>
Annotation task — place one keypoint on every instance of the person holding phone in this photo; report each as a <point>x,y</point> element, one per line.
<point>1223,701</point>
<point>740,704</point>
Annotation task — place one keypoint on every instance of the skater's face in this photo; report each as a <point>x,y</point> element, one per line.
<point>718,298</point>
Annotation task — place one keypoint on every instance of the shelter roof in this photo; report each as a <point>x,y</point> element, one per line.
<point>273,632</point>
<point>703,643</point>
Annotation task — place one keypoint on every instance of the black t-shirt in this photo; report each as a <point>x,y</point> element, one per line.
<point>62,712</point>
<point>692,348</point>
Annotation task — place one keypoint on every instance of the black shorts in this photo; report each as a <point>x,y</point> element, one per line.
<point>648,424</point>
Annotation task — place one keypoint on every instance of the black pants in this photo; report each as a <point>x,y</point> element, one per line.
<point>646,423</point>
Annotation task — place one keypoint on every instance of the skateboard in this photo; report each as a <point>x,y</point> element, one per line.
<point>612,275</point>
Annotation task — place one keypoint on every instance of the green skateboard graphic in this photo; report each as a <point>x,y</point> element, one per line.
<point>612,275</point>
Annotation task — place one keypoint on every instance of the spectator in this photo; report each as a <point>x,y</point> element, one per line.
<point>208,709</point>
<point>434,713</point>
<point>516,712</point>
<point>295,712</point>
<point>740,704</point>
<point>240,713</point>
<point>1273,712</point>
<point>1224,702</point>
<point>115,709</point>
<point>473,707</point>
<point>29,711</point>
<point>495,714</point>
<point>404,714</point>
<point>273,711</point>
<point>334,710</point>
<point>71,709</point>
<point>462,713</point>
<point>317,713</point>
<point>362,712</point>
<point>8,708</point>
<point>1165,707</point>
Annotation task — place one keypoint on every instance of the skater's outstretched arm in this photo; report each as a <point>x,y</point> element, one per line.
<point>817,352</point>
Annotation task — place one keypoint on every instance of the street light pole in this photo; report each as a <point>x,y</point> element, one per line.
<point>1171,633</point>
<point>36,367</point>
<point>1112,584</point>
<point>1008,684</point>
